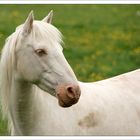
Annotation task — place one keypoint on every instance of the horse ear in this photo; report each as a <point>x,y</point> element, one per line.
<point>28,23</point>
<point>49,17</point>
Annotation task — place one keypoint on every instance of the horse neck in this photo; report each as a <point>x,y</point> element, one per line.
<point>21,106</point>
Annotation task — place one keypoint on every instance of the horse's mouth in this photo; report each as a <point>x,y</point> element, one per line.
<point>63,104</point>
<point>66,102</point>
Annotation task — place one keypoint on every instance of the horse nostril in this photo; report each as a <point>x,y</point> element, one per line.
<point>69,89</point>
<point>70,92</point>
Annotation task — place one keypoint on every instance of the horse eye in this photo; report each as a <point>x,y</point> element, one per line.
<point>40,52</point>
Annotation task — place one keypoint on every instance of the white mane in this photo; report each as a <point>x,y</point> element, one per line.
<point>8,58</point>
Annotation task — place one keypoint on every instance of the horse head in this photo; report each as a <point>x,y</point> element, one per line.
<point>40,60</point>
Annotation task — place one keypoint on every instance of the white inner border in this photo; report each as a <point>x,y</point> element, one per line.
<point>69,2</point>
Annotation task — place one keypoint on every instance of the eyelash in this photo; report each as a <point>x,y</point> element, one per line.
<point>40,52</point>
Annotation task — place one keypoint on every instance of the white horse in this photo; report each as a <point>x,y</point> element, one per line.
<point>33,69</point>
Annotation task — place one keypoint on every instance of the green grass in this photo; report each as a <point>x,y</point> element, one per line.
<point>101,40</point>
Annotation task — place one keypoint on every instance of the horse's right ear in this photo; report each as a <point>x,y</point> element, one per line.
<point>28,24</point>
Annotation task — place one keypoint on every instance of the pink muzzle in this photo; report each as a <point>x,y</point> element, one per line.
<point>68,94</point>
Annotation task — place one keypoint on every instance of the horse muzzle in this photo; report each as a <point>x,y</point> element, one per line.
<point>68,94</point>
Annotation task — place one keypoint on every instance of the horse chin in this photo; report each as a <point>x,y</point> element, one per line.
<point>66,102</point>
<point>63,104</point>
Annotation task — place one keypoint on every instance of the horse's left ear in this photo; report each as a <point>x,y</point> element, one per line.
<point>49,17</point>
<point>28,23</point>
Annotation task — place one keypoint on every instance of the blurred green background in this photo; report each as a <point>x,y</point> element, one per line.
<point>101,41</point>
